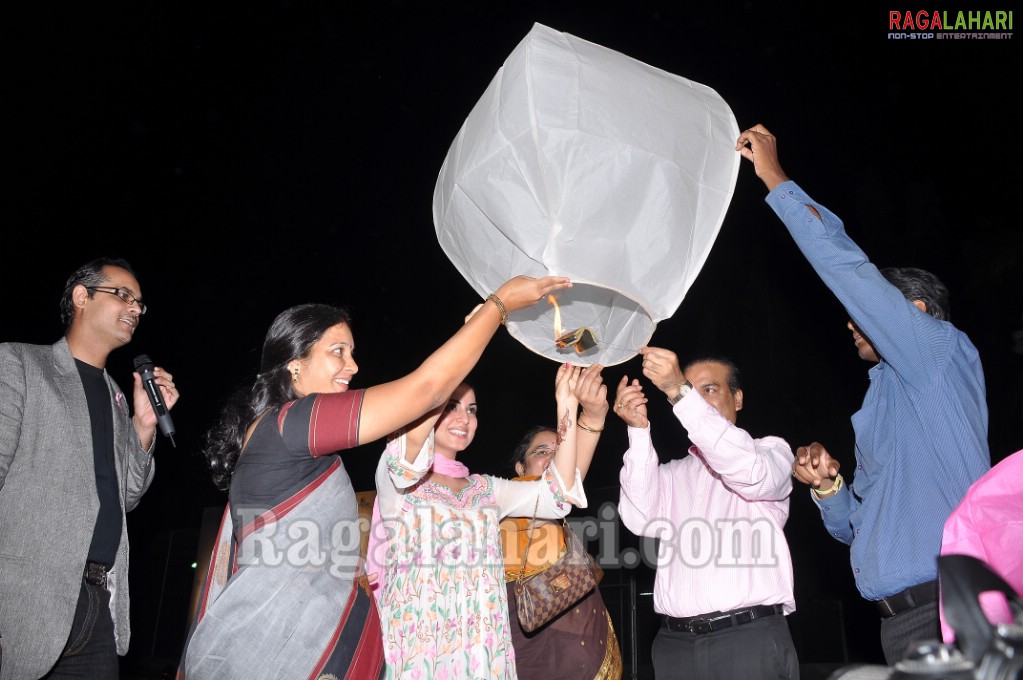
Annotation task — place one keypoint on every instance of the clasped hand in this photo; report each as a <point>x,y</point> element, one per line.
<point>813,465</point>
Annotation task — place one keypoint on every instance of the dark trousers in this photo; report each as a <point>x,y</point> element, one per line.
<point>759,650</point>
<point>899,632</point>
<point>90,651</point>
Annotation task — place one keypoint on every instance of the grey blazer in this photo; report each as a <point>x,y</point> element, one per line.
<point>48,503</point>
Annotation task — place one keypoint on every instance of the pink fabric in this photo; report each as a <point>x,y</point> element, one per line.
<point>373,565</point>
<point>450,467</point>
<point>374,547</point>
<point>988,525</point>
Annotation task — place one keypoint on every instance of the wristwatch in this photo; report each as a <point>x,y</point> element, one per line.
<point>683,390</point>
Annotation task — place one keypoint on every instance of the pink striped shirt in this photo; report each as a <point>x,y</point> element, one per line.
<point>720,514</point>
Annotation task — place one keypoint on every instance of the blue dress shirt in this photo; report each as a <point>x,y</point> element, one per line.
<point>921,434</point>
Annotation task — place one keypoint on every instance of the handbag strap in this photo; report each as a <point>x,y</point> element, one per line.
<point>529,542</point>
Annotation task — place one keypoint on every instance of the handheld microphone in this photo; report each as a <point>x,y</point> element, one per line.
<point>144,366</point>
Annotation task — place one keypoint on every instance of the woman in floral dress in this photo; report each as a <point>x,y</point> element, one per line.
<point>444,606</point>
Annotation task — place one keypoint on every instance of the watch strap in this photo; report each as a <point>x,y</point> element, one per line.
<point>683,390</point>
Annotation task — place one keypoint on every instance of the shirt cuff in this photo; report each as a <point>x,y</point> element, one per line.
<point>640,434</point>
<point>639,462</point>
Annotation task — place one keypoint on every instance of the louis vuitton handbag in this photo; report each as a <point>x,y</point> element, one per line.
<point>542,596</point>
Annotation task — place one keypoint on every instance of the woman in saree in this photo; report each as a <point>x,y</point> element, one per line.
<point>282,598</point>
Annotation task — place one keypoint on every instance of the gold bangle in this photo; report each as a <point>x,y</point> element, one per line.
<point>579,424</point>
<point>835,488</point>
<point>500,307</point>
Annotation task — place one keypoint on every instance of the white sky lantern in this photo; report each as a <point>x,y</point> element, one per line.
<point>580,161</point>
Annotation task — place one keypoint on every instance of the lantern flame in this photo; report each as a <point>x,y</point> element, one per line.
<point>557,316</point>
<point>581,339</point>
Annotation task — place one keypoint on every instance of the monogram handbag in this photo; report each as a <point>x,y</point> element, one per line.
<point>542,596</point>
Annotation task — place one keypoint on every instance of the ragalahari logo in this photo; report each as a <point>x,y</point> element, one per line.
<point>925,24</point>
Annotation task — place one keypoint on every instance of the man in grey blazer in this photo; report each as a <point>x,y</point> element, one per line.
<point>73,459</point>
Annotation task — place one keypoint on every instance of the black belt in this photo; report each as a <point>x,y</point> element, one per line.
<point>918,595</point>
<point>708,623</point>
<point>96,574</point>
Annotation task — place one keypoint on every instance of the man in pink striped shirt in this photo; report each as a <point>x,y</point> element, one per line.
<point>724,573</point>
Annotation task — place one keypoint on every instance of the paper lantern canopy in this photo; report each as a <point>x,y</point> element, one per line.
<point>580,161</point>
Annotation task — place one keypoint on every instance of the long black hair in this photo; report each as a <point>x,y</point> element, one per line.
<point>291,336</point>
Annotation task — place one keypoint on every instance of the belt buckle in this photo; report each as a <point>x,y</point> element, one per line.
<point>696,625</point>
<point>886,608</point>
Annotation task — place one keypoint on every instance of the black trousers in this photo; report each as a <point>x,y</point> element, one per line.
<point>899,632</point>
<point>759,650</point>
<point>90,652</point>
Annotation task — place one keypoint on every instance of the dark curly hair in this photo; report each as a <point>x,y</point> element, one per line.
<point>291,336</point>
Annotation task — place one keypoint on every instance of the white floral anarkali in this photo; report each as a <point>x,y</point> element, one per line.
<point>443,602</point>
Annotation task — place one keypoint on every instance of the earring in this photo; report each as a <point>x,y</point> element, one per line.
<point>294,375</point>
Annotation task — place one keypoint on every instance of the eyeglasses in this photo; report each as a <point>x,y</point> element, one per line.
<point>541,452</point>
<point>123,293</point>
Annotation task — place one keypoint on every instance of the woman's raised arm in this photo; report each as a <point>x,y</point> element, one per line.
<point>391,405</point>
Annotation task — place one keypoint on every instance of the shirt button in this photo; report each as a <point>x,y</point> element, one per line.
<point>856,570</point>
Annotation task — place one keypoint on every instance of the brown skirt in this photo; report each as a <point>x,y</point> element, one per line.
<point>580,643</point>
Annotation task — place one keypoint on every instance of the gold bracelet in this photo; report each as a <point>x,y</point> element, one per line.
<point>835,488</point>
<point>500,307</point>
<point>584,428</point>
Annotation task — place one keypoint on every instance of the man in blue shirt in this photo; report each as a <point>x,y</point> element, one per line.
<point>921,434</point>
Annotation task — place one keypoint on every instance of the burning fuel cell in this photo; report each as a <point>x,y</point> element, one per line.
<point>581,339</point>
